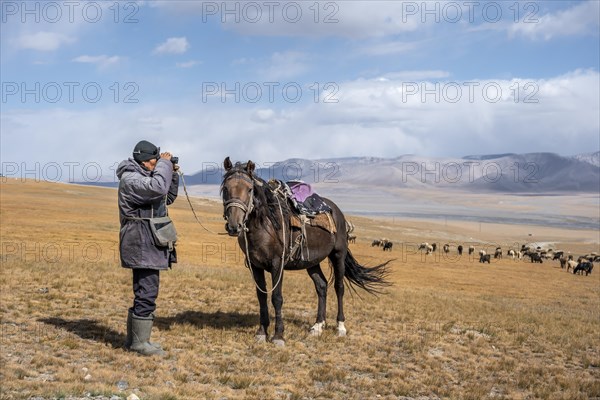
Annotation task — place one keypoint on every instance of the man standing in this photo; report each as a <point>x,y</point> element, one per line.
<point>148,182</point>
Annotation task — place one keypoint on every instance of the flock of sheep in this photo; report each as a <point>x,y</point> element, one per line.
<point>536,254</point>
<point>386,244</point>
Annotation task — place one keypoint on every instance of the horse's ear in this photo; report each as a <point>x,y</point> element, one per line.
<point>227,164</point>
<point>250,167</point>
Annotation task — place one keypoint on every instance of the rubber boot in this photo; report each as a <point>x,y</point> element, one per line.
<point>129,338</point>
<point>141,327</point>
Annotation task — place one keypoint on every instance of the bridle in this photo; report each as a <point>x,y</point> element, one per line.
<point>239,203</point>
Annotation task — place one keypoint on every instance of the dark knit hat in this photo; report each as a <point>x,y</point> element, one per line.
<point>144,151</point>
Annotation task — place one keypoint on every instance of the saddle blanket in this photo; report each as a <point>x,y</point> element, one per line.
<point>323,221</point>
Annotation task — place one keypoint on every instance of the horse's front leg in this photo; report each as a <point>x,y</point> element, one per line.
<point>261,293</point>
<point>277,300</point>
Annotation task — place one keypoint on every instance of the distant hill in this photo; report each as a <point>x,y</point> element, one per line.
<point>510,173</point>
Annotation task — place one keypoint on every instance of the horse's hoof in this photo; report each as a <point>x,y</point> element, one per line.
<point>317,329</point>
<point>315,332</point>
<point>341,329</point>
<point>279,342</point>
<point>261,338</point>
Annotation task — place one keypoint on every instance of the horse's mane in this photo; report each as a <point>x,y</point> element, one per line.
<point>266,205</point>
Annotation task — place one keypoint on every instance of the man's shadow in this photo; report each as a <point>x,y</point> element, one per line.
<point>91,329</point>
<point>88,329</point>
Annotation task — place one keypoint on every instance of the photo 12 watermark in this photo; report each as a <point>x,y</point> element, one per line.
<point>269,92</point>
<point>310,172</point>
<point>469,171</point>
<point>68,251</point>
<point>92,252</point>
<point>71,92</point>
<point>53,12</point>
<point>473,12</point>
<point>64,171</point>
<point>255,12</point>
<point>471,91</point>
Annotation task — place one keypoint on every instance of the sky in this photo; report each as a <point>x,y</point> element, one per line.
<point>84,81</point>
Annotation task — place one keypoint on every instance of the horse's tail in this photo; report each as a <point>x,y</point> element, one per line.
<point>371,279</point>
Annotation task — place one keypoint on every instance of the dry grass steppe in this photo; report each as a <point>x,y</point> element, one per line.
<point>449,327</point>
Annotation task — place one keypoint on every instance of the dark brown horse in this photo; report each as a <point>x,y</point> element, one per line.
<point>260,218</point>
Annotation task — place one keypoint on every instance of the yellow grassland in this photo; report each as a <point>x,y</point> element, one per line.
<point>449,327</point>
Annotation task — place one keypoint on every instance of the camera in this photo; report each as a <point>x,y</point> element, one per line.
<point>175,160</point>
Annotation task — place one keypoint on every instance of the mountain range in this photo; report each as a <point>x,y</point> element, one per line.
<point>511,173</point>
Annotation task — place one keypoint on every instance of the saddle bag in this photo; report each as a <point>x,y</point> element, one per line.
<point>163,230</point>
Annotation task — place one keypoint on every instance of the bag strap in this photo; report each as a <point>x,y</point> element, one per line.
<point>137,218</point>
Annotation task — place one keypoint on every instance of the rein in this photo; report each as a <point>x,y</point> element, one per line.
<point>247,209</point>
<point>192,207</point>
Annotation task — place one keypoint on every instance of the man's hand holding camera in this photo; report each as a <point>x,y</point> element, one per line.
<point>169,157</point>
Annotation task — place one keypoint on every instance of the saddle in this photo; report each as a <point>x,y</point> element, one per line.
<point>307,208</point>
<point>301,196</point>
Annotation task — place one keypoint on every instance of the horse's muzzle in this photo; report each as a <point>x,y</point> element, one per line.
<point>233,231</point>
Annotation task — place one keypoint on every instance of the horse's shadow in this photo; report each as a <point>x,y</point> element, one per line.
<point>88,329</point>
<point>217,320</point>
<point>199,319</point>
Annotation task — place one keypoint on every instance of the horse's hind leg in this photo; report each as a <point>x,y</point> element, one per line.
<point>321,287</point>
<point>261,293</point>
<point>337,259</point>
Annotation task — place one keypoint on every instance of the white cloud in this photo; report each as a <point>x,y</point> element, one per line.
<point>187,64</point>
<point>102,61</point>
<point>263,115</point>
<point>372,118</point>
<point>43,41</point>
<point>581,19</point>
<point>175,45</point>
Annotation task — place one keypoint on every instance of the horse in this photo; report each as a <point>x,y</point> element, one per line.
<point>259,216</point>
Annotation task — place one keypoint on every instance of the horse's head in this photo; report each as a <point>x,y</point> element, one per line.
<point>237,191</point>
